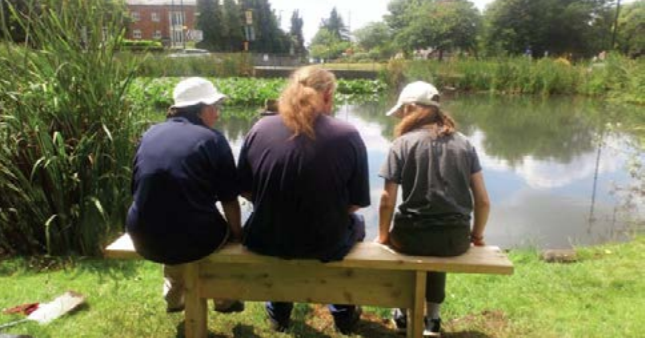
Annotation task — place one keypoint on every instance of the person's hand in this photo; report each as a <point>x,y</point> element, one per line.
<point>477,240</point>
<point>382,240</point>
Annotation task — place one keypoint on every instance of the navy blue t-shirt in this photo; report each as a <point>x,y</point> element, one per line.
<point>181,169</point>
<point>302,188</point>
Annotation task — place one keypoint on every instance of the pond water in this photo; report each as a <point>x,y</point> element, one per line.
<point>554,168</point>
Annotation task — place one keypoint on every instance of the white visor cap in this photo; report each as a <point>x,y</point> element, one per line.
<point>416,92</point>
<point>195,90</point>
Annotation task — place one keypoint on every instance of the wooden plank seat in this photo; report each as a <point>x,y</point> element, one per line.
<point>371,274</point>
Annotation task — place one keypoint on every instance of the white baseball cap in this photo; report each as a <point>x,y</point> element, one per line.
<point>195,90</point>
<point>416,92</point>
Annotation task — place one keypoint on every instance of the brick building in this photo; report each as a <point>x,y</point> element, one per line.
<point>169,21</point>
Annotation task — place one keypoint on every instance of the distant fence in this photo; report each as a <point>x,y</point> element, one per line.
<point>278,60</point>
<point>283,72</point>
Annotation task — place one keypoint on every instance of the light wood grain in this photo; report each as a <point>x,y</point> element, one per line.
<point>371,274</point>
<point>488,260</point>
<point>196,307</point>
<point>307,284</point>
<point>416,312</point>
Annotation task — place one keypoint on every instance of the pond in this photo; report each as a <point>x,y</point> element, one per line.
<point>554,167</point>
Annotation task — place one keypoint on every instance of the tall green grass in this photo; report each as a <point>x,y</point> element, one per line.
<point>617,78</point>
<point>67,131</point>
<point>211,65</point>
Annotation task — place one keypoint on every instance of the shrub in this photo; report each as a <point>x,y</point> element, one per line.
<point>67,132</point>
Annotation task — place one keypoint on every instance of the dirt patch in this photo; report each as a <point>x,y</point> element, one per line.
<point>370,325</point>
<point>482,325</point>
<point>487,324</point>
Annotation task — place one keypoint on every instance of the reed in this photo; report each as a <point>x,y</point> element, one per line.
<point>210,65</point>
<point>67,130</point>
<point>616,78</point>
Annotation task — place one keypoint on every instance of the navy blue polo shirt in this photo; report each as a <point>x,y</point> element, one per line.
<point>302,188</point>
<point>181,169</point>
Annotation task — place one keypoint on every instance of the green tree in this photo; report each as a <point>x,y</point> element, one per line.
<point>232,27</point>
<point>375,38</point>
<point>334,24</point>
<point>443,25</point>
<point>295,33</point>
<point>269,38</point>
<point>327,45</point>
<point>631,29</point>
<point>210,22</point>
<point>582,27</point>
<point>399,11</point>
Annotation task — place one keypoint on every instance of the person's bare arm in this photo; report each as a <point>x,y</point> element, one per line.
<point>482,208</point>
<point>234,218</point>
<point>386,211</point>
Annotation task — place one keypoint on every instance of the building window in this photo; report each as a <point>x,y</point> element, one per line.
<point>155,17</point>
<point>135,16</point>
<point>157,35</point>
<point>136,34</point>
<point>177,19</point>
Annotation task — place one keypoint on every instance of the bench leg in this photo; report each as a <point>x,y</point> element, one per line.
<point>416,313</point>
<point>196,320</point>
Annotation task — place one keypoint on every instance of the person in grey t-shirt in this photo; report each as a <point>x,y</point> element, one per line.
<point>438,170</point>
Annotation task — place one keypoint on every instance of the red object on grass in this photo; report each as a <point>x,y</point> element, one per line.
<point>25,309</point>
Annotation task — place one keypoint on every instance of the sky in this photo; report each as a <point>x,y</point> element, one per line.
<point>355,13</point>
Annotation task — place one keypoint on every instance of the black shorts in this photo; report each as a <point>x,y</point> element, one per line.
<point>441,236</point>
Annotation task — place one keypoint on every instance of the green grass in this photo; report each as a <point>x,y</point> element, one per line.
<point>603,295</point>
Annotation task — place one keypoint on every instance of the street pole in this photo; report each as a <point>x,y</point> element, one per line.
<point>172,24</point>
<point>613,37</point>
<point>183,23</point>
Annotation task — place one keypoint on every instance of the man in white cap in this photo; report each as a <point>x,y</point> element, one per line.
<point>182,167</point>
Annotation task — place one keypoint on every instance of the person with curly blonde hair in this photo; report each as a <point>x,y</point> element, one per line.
<point>306,174</point>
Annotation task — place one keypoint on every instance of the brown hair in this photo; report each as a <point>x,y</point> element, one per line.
<point>301,101</point>
<point>418,116</point>
<point>195,109</point>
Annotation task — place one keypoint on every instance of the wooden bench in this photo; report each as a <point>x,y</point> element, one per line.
<point>372,274</point>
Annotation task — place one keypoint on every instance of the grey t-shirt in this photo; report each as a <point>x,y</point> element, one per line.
<point>434,173</point>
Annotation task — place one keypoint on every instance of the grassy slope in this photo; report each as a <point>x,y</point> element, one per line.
<point>603,295</point>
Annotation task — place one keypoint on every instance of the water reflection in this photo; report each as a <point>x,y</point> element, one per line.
<point>550,165</point>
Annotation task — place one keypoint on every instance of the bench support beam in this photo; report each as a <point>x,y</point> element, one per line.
<point>416,312</point>
<point>196,307</point>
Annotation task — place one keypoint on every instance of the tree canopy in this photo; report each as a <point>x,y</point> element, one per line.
<point>210,22</point>
<point>295,33</point>
<point>441,25</point>
<point>232,30</point>
<point>332,38</point>
<point>631,29</point>
<point>375,37</point>
<point>582,27</point>
<point>269,38</point>
<point>326,45</point>
<point>223,26</point>
<point>335,25</point>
